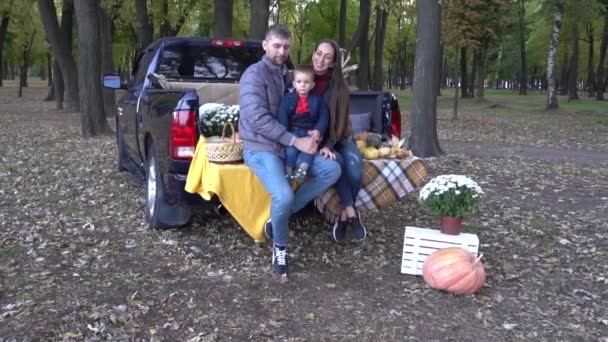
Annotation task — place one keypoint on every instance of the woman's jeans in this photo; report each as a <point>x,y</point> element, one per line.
<point>351,162</point>
<point>270,170</point>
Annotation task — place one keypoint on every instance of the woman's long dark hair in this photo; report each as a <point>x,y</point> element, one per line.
<point>339,123</point>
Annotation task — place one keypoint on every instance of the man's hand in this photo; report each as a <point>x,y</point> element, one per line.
<point>315,135</point>
<point>327,153</point>
<point>306,145</point>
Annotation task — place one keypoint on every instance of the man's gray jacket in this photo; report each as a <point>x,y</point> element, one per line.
<point>261,88</point>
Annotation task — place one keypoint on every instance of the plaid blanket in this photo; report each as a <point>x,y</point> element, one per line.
<point>385,181</point>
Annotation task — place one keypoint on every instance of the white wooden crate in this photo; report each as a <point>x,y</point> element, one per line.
<point>418,243</point>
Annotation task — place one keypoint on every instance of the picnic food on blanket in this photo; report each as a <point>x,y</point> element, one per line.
<point>371,153</point>
<point>454,270</point>
<point>373,140</point>
<point>371,146</point>
<point>384,151</point>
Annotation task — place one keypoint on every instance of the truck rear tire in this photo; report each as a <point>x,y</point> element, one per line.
<point>120,149</point>
<point>154,190</point>
<point>160,214</point>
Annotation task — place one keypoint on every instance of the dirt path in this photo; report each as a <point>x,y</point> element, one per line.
<point>484,149</point>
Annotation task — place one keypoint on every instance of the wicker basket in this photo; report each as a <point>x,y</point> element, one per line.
<point>223,150</point>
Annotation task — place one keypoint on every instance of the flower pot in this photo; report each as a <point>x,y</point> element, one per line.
<point>450,225</point>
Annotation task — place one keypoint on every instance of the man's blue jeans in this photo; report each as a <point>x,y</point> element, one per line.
<point>351,163</point>
<point>270,170</point>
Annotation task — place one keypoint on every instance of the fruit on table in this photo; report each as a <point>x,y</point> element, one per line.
<point>373,140</point>
<point>371,153</point>
<point>361,144</point>
<point>384,151</point>
<point>455,270</point>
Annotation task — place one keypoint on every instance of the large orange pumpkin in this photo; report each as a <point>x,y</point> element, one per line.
<point>455,270</point>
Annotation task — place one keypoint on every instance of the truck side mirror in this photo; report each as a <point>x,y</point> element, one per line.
<point>113,81</point>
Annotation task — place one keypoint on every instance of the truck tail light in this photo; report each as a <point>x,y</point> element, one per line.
<point>227,42</point>
<point>183,135</point>
<point>396,123</point>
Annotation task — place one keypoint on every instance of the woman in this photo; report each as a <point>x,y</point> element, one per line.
<point>338,143</point>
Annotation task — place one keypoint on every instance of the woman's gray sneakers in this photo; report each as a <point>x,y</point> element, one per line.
<point>339,230</point>
<point>357,228</point>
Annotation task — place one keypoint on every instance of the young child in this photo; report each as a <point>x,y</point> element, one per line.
<point>304,114</point>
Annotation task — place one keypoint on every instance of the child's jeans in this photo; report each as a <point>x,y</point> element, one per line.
<point>293,157</point>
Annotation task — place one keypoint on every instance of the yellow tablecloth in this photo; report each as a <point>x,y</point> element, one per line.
<point>237,188</point>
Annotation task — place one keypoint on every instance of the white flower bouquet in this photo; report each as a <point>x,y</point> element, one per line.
<point>450,195</point>
<point>213,116</point>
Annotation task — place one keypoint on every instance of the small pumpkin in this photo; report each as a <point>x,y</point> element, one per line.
<point>371,153</point>
<point>384,151</point>
<point>455,270</point>
<point>373,140</point>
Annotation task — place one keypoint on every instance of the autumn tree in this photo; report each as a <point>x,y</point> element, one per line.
<point>61,50</point>
<point>258,22</point>
<point>552,103</point>
<point>423,139</point>
<point>475,24</point>
<point>382,9</point>
<point>599,74</point>
<point>223,18</point>
<point>92,117</point>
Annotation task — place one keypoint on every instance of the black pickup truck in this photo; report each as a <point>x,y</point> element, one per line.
<point>157,124</point>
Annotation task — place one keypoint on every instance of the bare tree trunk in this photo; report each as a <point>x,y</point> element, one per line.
<point>58,85</point>
<point>4,21</point>
<point>26,62</point>
<point>423,139</point>
<point>480,77</point>
<point>439,67</point>
<point>573,69</point>
<point>404,69</point>
<point>599,84</point>
<point>107,62</point>
<point>381,19</point>
<point>464,83</point>
<point>145,27</point>
<point>51,95</point>
<point>523,67</point>
<point>456,87</point>
<point>222,28</point>
<point>362,27</point>
<point>363,81</point>
<point>61,49</point>
<point>258,23</point>
<point>590,83</point>
<point>473,73</point>
<point>557,25</point>
<point>342,23</point>
<point>165,23</point>
<point>92,119</point>
<point>563,79</point>
<point>497,73</point>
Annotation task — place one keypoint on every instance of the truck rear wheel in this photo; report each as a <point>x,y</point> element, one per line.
<point>154,190</point>
<point>159,213</point>
<point>120,149</point>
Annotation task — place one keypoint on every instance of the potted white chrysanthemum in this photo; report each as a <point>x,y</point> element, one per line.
<point>213,116</point>
<point>451,198</point>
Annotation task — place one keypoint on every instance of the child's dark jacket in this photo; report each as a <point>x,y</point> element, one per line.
<point>318,111</point>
